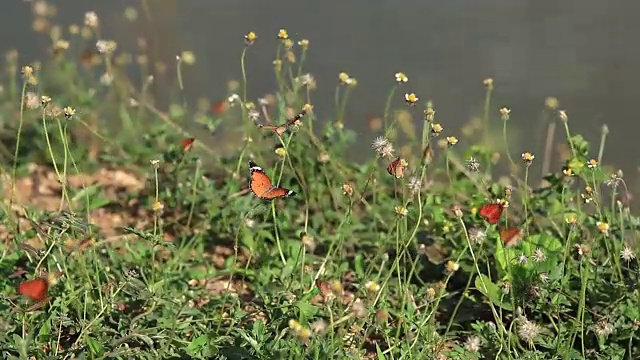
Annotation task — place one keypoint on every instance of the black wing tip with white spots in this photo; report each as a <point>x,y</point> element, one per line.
<point>253,166</point>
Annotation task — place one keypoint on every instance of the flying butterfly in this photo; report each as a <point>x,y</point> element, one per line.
<point>187,144</point>
<point>37,289</point>
<point>262,187</point>
<point>280,129</point>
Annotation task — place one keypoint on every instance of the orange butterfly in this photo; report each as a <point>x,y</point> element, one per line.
<point>280,129</point>
<point>511,236</point>
<point>262,186</point>
<point>491,212</point>
<point>397,167</point>
<point>187,144</point>
<point>36,289</point>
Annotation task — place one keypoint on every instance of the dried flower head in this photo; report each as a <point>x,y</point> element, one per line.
<point>488,83</point>
<point>603,328</point>
<point>414,184</point>
<point>106,47</point>
<point>504,113</point>
<point>45,100</point>
<point>157,207</point>
<point>347,189</point>
<point>562,115</point>
<point>429,113</point>
<point>472,344</point>
<point>528,330</point>
<point>539,256</point>
<point>477,235</point>
<point>472,165</point>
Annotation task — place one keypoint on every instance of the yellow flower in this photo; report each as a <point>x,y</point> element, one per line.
<point>603,227</point>
<point>452,140</point>
<point>69,111</point>
<point>250,38</point>
<point>528,157</point>
<point>411,99</point>
<point>401,211</point>
<point>401,77</point>
<point>572,219</point>
<point>45,100</point>
<point>592,164</point>
<point>282,152</point>
<point>304,44</point>
<point>188,57</point>
<point>436,129</point>
<point>294,325</point>
<point>372,287</point>
<point>452,266</point>
<point>345,79</point>
<point>157,206</point>
<point>283,34</point>
<point>567,172</point>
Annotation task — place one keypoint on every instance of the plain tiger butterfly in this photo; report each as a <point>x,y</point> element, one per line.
<point>280,129</point>
<point>36,289</point>
<point>491,212</point>
<point>397,167</point>
<point>187,144</point>
<point>511,236</point>
<point>262,186</point>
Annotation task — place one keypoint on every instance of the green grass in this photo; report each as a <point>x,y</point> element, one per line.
<point>166,254</point>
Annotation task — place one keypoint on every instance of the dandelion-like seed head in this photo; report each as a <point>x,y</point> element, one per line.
<point>411,98</point>
<point>401,78</point>
<point>472,344</point>
<point>603,328</point>
<point>539,256</point>
<point>414,185</point>
<point>627,254</point>
<point>528,330</point>
<point>477,235</point>
<point>544,278</point>
<point>472,165</point>
<point>250,38</point>
<point>614,179</point>
<point>527,158</point>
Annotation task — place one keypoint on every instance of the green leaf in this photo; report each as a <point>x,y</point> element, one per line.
<point>491,291</point>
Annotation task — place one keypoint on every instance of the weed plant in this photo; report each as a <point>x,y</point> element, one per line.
<point>120,242</point>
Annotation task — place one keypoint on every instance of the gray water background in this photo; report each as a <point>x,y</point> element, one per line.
<point>584,52</point>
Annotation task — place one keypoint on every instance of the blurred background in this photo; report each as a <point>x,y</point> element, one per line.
<point>582,52</point>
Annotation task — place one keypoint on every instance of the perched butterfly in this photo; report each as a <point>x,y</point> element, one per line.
<point>280,129</point>
<point>491,212</point>
<point>262,186</point>
<point>187,144</point>
<point>35,289</point>
<point>397,167</point>
<point>511,236</point>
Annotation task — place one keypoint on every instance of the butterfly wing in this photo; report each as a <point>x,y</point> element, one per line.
<point>491,212</point>
<point>262,186</point>
<point>396,168</point>
<point>35,289</point>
